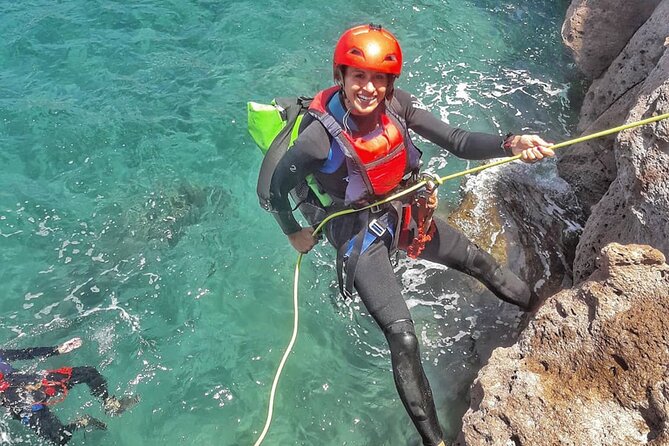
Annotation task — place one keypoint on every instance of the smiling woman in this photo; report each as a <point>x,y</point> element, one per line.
<point>364,90</point>
<point>363,122</point>
<point>375,59</point>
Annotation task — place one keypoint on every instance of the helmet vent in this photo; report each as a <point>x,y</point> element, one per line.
<point>390,58</point>
<point>356,52</point>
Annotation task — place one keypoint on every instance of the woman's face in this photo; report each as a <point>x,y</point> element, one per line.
<point>364,90</point>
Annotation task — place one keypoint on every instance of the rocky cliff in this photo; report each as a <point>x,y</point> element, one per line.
<point>591,367</point>
<point>633,167</point>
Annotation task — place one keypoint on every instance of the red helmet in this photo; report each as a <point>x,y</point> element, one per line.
<point>368,47</point>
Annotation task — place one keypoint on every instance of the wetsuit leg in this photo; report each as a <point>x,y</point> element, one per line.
<point>47,425</point>
<point>411,382</point>
<point>381,293</point>
<point>87,375</point>
<point>452,248</point>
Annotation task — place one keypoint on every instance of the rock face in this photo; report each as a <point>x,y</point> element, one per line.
<point>587,30</point>
<point>591,167</point>
<point>590,369</point>
<point>635,209</point>
<point>630,68</point>
<point>621,182</point>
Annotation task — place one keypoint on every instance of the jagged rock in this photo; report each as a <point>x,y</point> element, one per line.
<point>632,66</point>
<point>596,31</point>
<point>635,209</point>
<point>590,167</point>
<point>590,369</point>
<point>528,219</point>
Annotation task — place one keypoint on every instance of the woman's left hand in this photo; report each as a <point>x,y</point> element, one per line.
<point>531,148</point>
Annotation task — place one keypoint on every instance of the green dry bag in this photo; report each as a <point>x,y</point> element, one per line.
<point>274,128</point>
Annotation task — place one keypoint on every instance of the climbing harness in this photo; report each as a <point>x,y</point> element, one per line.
<point>421,184</point>
<point>51,388</point>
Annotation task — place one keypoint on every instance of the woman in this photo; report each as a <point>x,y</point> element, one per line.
<point>355,142</point>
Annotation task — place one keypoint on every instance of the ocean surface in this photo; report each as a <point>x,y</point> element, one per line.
<point>128,213</point>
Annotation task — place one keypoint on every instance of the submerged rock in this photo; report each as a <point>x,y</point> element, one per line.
<point>590,369</point>
<point>527,217</point>
<point>163,216</point>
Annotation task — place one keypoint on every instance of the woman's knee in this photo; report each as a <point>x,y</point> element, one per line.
<point>402,340</point>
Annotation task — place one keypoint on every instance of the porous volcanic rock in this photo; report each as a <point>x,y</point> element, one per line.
<point>591,167</point>
<point>591,367</point>
<point>587,30</point>
<point>635,208</point>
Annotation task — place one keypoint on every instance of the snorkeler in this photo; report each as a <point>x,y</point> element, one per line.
<point>28,395</point>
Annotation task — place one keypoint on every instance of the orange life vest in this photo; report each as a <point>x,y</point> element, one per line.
<point>376,162</point>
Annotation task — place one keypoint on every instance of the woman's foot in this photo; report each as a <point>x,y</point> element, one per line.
<point>88,421</point>
<point>116,406</point>
<point>499,279</point>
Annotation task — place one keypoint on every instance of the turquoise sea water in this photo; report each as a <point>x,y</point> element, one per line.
<point>128,213</point>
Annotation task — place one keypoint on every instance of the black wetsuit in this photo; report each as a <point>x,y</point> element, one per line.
<point>375,281</point>
<point>30,405</point>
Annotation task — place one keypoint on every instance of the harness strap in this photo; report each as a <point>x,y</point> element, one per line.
<point>398,207</point>
<point>351,257</point>
<point>349,253</point>
<point>335,129</point>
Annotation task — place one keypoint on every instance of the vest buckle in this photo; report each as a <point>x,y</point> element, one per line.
<point>377,228</point>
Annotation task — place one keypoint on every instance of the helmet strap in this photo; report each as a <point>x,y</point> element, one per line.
<point>339,76</point>
<point>390,89</point>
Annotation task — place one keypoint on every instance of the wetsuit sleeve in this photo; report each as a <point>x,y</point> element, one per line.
<point>306,156</point>
<point>28,353</point>
<point>461,143</point>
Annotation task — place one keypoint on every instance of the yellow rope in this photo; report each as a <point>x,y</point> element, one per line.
<point>561,145</point>
<point>284,358</point>
<point>400,194</point>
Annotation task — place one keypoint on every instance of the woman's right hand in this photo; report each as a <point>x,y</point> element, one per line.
<point>303,240</point>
